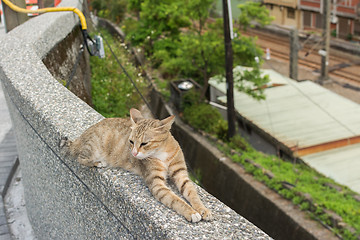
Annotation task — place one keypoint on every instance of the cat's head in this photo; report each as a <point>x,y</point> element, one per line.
<point>148,135</point>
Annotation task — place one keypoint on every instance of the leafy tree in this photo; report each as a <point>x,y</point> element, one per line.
<point>135,6</point>
<point>198,11</point>
<point>255,89</point>
<point>112,9</point>
<point>252,12</point>
<point>181,40</point>
<point>159,19</point>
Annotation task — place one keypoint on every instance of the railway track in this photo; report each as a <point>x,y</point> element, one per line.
<point>280,49</point>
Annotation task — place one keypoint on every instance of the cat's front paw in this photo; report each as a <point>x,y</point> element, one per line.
<point>205,213</point>
<point>196,217</point>
<point>192,216</point>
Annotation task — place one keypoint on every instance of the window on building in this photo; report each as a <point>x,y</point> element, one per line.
<point>307,19</point>
<point>319,21</point>
<point>291,13</point>
<point>357,28</point>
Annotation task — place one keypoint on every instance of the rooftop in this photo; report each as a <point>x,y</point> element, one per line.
<point>316,124</point>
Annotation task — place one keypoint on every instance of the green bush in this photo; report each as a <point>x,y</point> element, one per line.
<point>192,97</point>
<point>205,117</point>
<point>238,142</point>
<point>112,9</point>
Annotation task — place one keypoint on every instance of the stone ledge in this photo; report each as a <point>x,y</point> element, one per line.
<point>64,199</point>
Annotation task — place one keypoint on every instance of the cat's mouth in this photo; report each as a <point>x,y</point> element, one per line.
<point>138,155</point>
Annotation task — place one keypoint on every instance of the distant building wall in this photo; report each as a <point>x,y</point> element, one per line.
<point>286,13</point>
<point>307,15</point>
<point>344,16</point>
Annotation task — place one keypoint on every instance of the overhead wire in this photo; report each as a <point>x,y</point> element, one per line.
<point>127,74</point>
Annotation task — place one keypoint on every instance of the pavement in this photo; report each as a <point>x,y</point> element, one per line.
<point>14,223</point>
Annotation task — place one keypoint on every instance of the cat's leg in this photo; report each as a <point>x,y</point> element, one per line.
<point>157,184</point>
<point>85,158</point>
<point>178,172</point>
<point>86,161</point>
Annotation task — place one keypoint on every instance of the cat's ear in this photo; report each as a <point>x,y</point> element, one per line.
<point>135,116</point>
<point>166,123</point>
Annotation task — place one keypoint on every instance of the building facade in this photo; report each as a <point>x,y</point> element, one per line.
<point>307,15</point>
<point>285,12</point>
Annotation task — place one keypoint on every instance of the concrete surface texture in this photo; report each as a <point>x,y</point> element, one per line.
<point>17,219</point>
<point>65,200</point>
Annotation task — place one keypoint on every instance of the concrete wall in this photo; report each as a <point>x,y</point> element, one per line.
<point>64,199</point>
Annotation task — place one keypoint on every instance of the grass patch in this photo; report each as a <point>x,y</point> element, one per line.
<point>305,187</point>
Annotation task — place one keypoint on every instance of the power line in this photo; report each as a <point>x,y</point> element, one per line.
<point>127,74</point>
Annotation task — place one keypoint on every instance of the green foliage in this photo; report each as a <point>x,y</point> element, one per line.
<point>135,5</point>
<point>245,50</point>
<point>306,180</point>
<point>197,52</point>
<point>333,33</point>
<point>163,88</point>
<point>192,97</point>
<point>204,117</point>
<point>113,94</point>
<point>195,56</point>
<point>255,89</point>
<point>239,143</point>
<point>158,19</point>
<point>112,9</point>
<point>253,12</point>
<point>198,11</point>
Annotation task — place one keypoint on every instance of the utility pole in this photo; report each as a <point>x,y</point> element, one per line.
<point>229,71</point>
<point>294,48</point>
<point>325,53</point>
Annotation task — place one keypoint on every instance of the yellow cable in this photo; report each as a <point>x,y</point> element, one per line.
<point>44,10</point>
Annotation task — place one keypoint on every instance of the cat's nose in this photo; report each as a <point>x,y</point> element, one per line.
<point>134,153</point>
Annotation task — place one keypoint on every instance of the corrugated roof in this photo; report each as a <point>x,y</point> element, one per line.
<point>299,114</point>
<point>306,115</point>
<point>341,164</point>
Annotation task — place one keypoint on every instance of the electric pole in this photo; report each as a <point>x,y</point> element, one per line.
<point>294,48</point>
<point>326,40</point>
<point>229,71</point>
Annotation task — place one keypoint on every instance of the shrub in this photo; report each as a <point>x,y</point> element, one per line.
<point>204,117</point>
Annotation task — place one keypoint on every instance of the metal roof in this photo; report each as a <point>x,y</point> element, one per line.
<point>302,115</point>
<point>341,164</point>
<point>298,114</point>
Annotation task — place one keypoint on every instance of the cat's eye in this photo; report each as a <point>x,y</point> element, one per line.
<point>143,144</point>
<point>131,142</point>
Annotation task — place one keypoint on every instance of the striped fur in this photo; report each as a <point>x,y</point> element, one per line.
<point>147,148</point>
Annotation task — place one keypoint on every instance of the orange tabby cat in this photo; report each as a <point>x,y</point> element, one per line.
<point>147,148</point>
